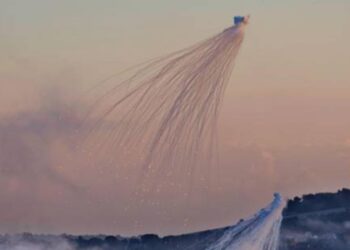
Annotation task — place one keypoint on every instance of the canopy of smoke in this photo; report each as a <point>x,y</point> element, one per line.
<point>166,112</point>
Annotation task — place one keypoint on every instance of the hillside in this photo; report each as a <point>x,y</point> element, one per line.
<point>317,222</point>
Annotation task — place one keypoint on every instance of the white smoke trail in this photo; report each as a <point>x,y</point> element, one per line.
<point>166,112</point>
<point>261,232</point>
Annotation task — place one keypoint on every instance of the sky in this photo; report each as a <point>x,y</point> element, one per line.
<point>283,126</point>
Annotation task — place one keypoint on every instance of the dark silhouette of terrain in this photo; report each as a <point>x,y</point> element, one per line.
<point>311,222</point>
<point>317,222</point>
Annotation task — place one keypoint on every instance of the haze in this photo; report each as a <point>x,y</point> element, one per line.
<point>284,124</point>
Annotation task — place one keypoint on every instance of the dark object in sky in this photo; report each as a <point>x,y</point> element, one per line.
<point>240,19</point>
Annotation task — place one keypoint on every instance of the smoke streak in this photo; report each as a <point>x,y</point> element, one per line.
<point>167,111</point>
<point>261,232</point>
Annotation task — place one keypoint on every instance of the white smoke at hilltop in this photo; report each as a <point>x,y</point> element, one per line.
<point>261,232</point>
<point>28,242</point>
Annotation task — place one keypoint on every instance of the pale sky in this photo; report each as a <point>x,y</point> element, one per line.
<point>284,124</point>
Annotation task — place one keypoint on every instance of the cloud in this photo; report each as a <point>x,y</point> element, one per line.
<point>28,139</point>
